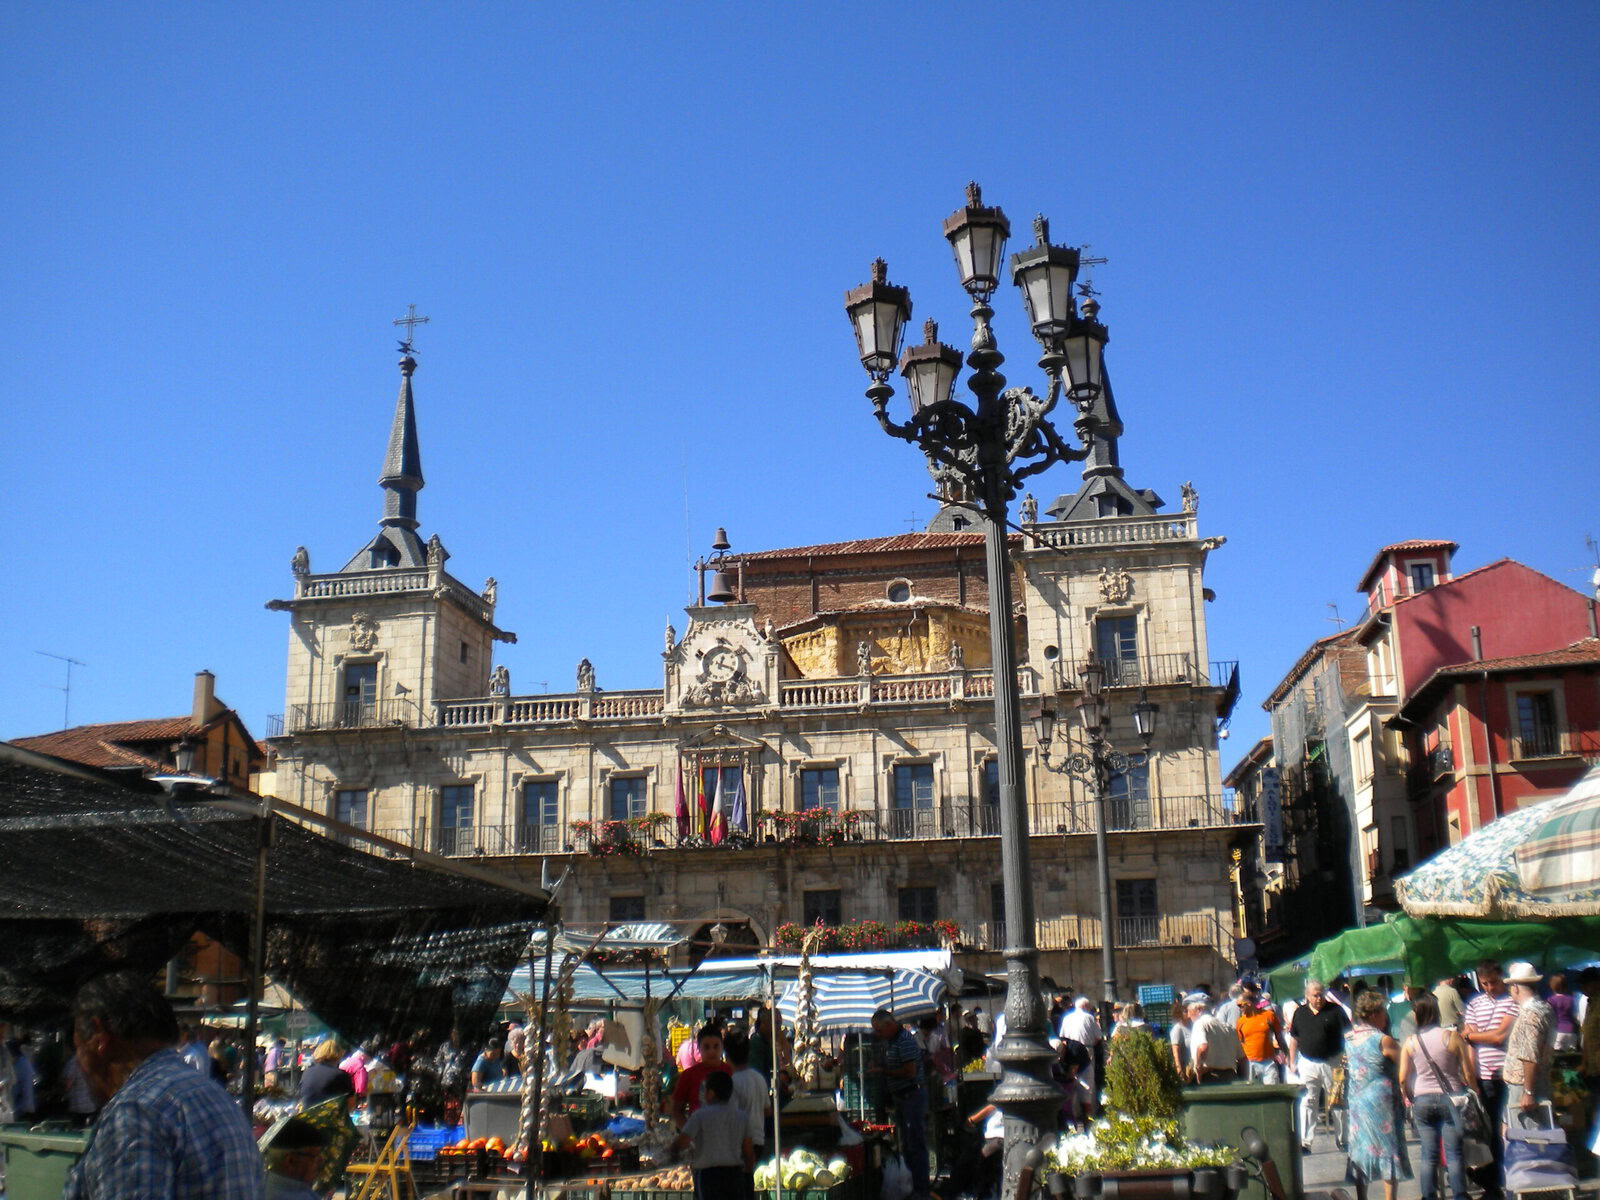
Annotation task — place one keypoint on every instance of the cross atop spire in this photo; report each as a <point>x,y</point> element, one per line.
<point>410,321</point>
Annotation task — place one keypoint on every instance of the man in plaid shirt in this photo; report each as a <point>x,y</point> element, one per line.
<point>1486,1023</point>
<point>166,1132</point>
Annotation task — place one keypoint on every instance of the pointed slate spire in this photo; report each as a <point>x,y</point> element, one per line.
<point>402,465</point>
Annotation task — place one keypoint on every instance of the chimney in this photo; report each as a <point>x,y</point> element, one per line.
<point>205,697</point>
<point>1477,644</point>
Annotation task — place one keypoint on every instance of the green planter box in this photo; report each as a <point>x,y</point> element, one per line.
<point>1215,1115</point>
<point>37,1163</point>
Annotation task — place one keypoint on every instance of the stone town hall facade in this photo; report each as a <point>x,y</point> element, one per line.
<point>852,677</point>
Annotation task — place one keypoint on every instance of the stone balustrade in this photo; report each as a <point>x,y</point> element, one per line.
<point>1111,531</point>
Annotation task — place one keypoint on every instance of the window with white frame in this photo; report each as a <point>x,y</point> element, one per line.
<point>1361,755</point>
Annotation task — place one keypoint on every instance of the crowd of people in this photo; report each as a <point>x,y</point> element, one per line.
<point>1401,1059</point>
<point>1399,1062</point>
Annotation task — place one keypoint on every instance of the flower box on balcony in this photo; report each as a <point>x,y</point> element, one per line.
<point>813,826</point>
<point>630,836</point>
<point>871,935</point>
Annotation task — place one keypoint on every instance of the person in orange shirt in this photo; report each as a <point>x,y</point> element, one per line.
<point>1260,1031</point>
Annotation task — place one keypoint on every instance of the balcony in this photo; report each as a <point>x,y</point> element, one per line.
<point>656,833</point>
<point>1152,670</point>
<point>1131,814</point>
<point>1163,931</point>
<point>396,711</point>
<point>1555,741</point>
<point>1112,531</point>
<point>889,691</point>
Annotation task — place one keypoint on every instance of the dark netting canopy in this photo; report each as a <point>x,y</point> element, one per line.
<point>98,873</point>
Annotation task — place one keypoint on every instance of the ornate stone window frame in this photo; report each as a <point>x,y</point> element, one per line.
<point>607,774</point>
<point>517,798</point>
<point>840,764</point>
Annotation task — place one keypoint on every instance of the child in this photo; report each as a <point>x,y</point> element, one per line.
<point>719,1133</point>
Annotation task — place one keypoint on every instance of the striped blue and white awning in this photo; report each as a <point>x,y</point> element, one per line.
<point>847,998</point>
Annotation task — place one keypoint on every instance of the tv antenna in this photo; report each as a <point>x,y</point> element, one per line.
<point>64,689</point>
<point>1338,621</point>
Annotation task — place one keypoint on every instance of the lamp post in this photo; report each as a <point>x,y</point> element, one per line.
<point>985,450</point>
<point>1102,761</point>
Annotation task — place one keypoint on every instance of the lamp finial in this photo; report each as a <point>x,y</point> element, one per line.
<point>1091,307</point>
<point>1041,229</point>
<point>930,332</point>
<point>974,194</point>
<point>880,271</point>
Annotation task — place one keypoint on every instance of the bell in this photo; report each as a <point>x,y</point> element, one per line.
<point>721,588</point>
<point>721,542</point>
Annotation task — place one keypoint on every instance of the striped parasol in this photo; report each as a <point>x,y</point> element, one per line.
<point>1542,861</point>
<point>847,998</point>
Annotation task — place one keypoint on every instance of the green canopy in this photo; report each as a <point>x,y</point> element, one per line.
<point>1425,949</point>
<point>1287,980</point>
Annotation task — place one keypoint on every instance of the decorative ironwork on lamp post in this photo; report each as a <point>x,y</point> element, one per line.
<point>985,451</point>
<point>1098,766</point>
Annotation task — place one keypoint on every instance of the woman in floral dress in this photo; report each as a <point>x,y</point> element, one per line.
<point>1377,1132</point>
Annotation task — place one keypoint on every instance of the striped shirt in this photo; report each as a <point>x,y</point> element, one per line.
<point>902,1048</point>
<point>1483,1014</point>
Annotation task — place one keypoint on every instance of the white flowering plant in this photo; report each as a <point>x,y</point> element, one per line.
<point>1123,1143</point>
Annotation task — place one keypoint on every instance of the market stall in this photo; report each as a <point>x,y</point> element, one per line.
<point>599,1117</point>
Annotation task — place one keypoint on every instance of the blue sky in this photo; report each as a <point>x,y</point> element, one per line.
<point>1351,294</point>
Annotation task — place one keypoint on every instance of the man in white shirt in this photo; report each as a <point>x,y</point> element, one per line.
<point>1215,1055</point>
<point>1080,1025</point>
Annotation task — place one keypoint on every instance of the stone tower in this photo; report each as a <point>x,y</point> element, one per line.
<point>377,643</point>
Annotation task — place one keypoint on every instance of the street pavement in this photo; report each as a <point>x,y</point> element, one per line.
<point>1323,1170</point>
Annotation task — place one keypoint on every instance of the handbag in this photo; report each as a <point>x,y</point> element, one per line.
<point>1470,1117</point>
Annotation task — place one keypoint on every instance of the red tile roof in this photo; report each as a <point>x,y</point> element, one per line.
<point>1583,653</point>
<point>877,545</point>
<point>1413,544</point>
<point>110,745</point>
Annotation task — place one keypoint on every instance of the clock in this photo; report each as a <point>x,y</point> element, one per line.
<point>721,665</point>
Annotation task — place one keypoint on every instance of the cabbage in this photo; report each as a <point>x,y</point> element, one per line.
<point>824,1179</point>
<point>839,1168</point>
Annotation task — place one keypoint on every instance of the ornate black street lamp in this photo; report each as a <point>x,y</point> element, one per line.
<point>982,453</point>
<point>1102,762</point>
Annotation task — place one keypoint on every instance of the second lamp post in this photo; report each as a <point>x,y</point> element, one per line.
<point>1102,763</point>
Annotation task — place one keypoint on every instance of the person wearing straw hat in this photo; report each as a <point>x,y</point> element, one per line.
<point>1530,1047</point>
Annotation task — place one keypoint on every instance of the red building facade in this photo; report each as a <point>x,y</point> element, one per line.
<point>1488,736</point>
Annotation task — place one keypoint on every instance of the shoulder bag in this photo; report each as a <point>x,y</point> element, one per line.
<point>1470,1117</point>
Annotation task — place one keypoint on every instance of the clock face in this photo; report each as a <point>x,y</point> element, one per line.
<point>721,665</point>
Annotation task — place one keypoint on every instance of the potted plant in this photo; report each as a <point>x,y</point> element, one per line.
<point>1139,1134</point>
